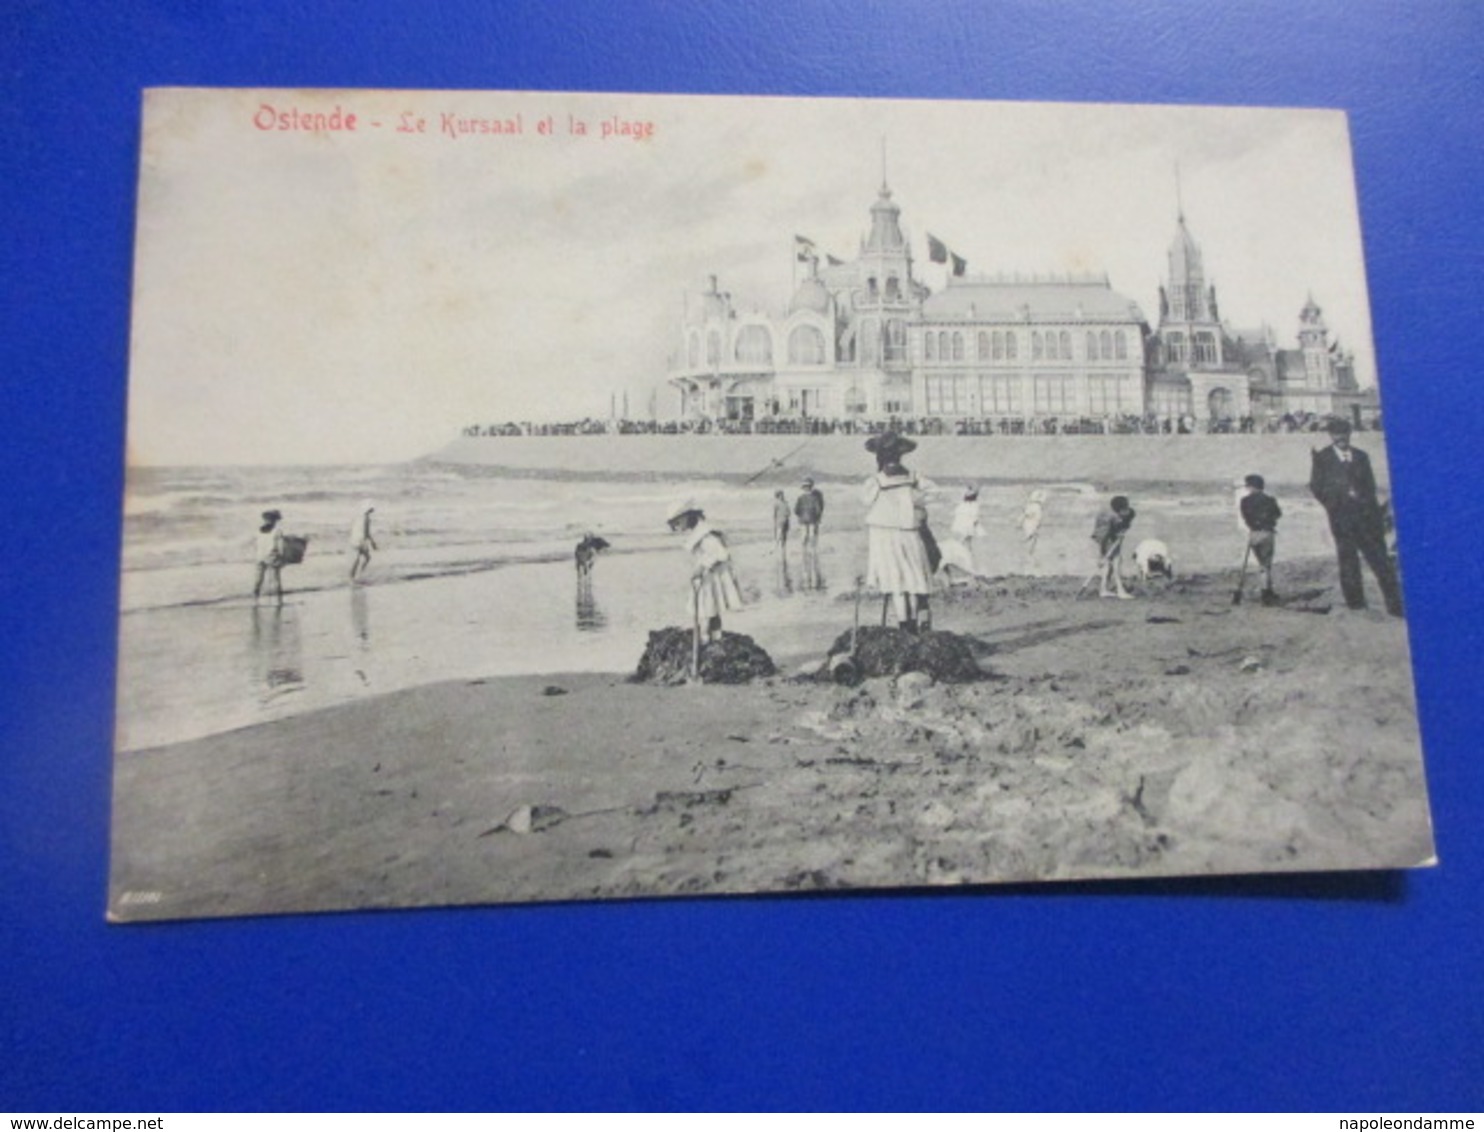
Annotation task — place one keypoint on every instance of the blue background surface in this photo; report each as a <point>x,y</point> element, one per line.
<point>1355,993</point>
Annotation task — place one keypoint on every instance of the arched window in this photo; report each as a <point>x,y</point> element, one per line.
<point>999,345</point>
<point>958,346</point>
<point>983,354</point>
<point>870,338</point>
<point>1051,351</point>
<point>1038,348</point>
<point>1175,347</point>
<point>805,346</point>
<point>1092,346</point>
<point>754,346</point>
<point>945,347</point>
<point>1120,346</point>
<point>1066,343</point>
<point>1205,348</point>
<point>693,350</point>
<point>713,347</point>
<point>1106,340</point>
<point>896,340</point>
<point>930,347</point>
<point>893,289</point>
<point>1010,348</point>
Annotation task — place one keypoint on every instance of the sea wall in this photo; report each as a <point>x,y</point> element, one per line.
<point>1283,458</point>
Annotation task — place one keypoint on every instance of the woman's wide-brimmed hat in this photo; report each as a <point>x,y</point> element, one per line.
<point>272,516</point>
<point>684,507</point>
<point>890,444</point>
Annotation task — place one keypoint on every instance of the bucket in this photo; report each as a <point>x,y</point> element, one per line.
<point>845,670</point>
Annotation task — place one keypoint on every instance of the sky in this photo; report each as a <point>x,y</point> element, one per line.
<point>360,295</point>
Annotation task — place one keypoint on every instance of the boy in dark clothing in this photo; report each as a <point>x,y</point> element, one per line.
<point>1108,532</point>
<point>1260,511</point>
<point>809,508</point>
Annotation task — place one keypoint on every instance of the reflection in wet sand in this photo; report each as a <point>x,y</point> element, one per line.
<point>813,577</point>
<point>278,651</point>
<point>783,582</point>
<point>590,615</point>
<point>360,617</point>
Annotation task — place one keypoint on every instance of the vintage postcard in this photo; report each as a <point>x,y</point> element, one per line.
<point>540,496</point>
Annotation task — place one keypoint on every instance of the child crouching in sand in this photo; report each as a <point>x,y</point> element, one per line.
<point>713,583</point>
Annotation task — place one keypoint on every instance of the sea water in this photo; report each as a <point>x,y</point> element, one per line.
<point>474,577</point>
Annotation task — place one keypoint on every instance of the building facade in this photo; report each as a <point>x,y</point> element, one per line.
<point>868,339</point>
<point>1201,368</point>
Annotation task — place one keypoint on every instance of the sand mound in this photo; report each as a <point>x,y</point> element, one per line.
<point>735,659</point>
<point>947,657</point>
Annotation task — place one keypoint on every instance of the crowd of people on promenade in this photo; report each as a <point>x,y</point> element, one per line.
<point>1124,424</point>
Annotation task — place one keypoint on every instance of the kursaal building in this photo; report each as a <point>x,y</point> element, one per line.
<point>867,338</point>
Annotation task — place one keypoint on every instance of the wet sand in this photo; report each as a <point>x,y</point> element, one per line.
<point>1176,734</point>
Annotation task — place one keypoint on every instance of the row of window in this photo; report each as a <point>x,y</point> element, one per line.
<point>1200,347</point>
<point>1004,345</point>
<point>806,345</point>
<point>754,346</point>
<point>991,394</point>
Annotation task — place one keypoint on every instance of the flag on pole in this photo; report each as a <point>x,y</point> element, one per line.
<point>804,249</point>
<point>960,265</point>
<point>937,249</point>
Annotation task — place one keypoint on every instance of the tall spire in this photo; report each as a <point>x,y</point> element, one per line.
<point>883,165</point>
<point>1179,196</point>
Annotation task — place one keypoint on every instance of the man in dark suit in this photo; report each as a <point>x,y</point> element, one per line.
<point>1342,480</point>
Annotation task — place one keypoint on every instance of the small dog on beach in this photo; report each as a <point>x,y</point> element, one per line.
<point>1152,557</point>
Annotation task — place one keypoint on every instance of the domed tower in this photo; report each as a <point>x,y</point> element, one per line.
<point>812,296</point>
<point>886,296</point>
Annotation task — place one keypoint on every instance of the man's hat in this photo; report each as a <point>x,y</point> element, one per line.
<point>889,444</point>
<point>1255,480</point>
<point>1338,427</point>
<point>1119,502</point>
<point>807,482</point>
<point>272,516</point>
<point>971,491</point>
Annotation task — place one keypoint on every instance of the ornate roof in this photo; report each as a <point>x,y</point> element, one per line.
<point>1052,300</point>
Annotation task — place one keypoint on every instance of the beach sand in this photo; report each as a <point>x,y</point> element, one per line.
<point>1173,735</point>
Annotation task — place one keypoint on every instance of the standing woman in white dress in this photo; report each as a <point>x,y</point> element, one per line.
<point>898,560</point>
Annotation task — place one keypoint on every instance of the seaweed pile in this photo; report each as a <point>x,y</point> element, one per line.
<point>735,659</point>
